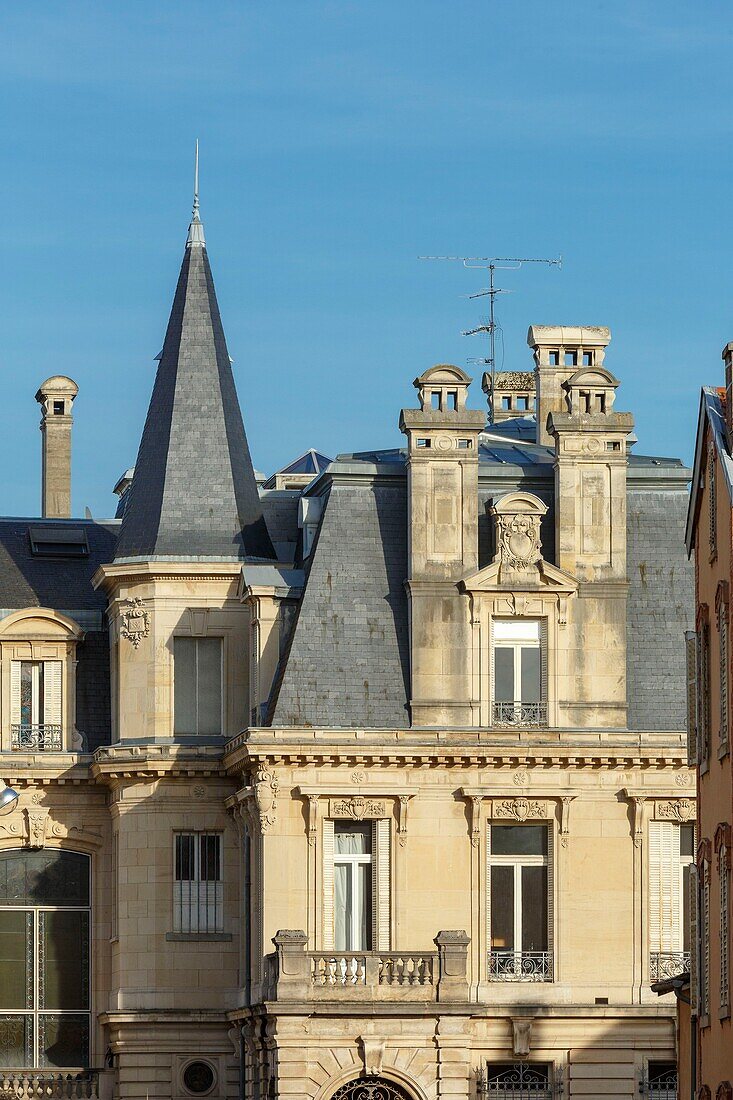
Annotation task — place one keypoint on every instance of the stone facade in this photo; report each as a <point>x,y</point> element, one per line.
<point>305,886</point>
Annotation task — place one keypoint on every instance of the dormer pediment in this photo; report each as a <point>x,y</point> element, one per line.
<point>545,578</point>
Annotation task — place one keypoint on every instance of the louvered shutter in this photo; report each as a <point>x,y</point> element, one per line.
<point>543,674</point>
<point>691,669</point>
<point>15,692</point>
<point>380,884</point>
<point>694,940</point>
<point>488,885</point>
<point>492,674</point>
<point>655,886</point>
<point>52,693</point>
<point>551,900</point>
<point>665,917</point>
<point>328,930</point>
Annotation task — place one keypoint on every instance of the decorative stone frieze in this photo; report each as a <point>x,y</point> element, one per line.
<point>676,809</point>
<point>519,809</point>
<point>357,808</point>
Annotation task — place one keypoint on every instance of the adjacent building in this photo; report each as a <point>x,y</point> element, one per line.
<point>370,783</point>
<point>706,1020</point>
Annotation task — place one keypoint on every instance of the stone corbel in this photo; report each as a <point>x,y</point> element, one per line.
<point>521,1035</point>
<point>637,804</point>
<point>475,808</point>
<point>402,805</point>
<point>565,819</point>
<point>265,785</point>
<point>372,1055</point>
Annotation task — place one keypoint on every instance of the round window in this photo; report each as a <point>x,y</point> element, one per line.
<point>198,1077</point>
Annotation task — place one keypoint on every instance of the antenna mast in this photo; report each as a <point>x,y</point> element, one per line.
<point>491,264</point>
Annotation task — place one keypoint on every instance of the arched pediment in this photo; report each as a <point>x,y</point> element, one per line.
<point>592,376</point>
<point>519,503</point>
<point>443,374</point>
<point>40,622</point>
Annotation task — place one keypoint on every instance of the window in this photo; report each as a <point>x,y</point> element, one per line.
<point>352,879</point>
<point>356,898</point>
<point>452,400</point>
<point>35,706</point>
<point>197,889</point>
<point>671,854</point>
<point>435,400</point>
<point>197,686</point>
<point>704,923</point>
<point>554,358</point>
<point>662,1080</point>
<point>519,903</point>
<point>613,445</point>
<point>44,959</point>
<point>571,358</point>
<point>58,408</point>
<point>464,444</point>
<point>723,675</point>
<point>724,884</point>
<point>519,692</point>
<point>522,404</point>
<point>525,1080</point>
<point>703,690</point>
<point>58,542</point>
<point>587,358</point>
<point>424,443</point>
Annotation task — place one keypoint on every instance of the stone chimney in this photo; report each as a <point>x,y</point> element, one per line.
<point>56,396</point>
<point>559,351</point>
<point>728,360</point>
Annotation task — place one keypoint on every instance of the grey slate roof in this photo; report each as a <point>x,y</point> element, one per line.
<point>194,492</point>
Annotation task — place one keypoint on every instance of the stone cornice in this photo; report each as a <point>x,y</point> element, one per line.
<point>155,761</point>
<point>108,577</point>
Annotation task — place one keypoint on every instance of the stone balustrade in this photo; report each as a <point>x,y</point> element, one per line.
<point>293,973</point>
<point>64,1085</point>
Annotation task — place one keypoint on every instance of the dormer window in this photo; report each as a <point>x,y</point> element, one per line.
<point>435,400</point>
<point>519,698</point>
<point>35,704</point>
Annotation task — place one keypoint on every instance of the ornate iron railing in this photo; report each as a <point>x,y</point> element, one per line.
<point>37,738</point>
<point>521,1081</point>
<point>668,964</point>
<point>517,713</point>
<point>71,1085</point>
<point>520,966</point>
<point>662,1086</point>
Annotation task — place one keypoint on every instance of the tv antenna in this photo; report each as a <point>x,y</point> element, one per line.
<point>488,327</point>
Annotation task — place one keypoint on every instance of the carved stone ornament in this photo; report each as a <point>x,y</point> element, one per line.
<point>520,809</point>
<point>34,827</point>
<point>372,1054</point>
<point>265,787</point>
<point>677,809</point>
<point>519,541</point>
<point>357,808</point>
<point>134,621</point>
<point>521,1035</point>
<point>37,823</point>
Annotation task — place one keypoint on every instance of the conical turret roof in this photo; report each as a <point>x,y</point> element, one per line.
<point>194,493</point>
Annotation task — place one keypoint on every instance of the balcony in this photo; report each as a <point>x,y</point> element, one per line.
<point>520,966</point>
<point>294,974</point>
<point>668,964</point>
<point>30,1083</point>
<point>519,715</point>
<point>38,738</point>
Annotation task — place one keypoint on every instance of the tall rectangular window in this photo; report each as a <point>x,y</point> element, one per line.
<point>671,855</point>
<point>197,686</point>
<point>197,886</point>
<point>519,903</point>
<point>35,706</point>
<point>519,696</point>
<point>352,878</point>
<point>723,674</point>
<point>703,689</point>
<point>704,927</point>
<point>724,927</point>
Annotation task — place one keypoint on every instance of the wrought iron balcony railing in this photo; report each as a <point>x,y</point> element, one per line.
<point>517,713</point>
<point>37,738</point>
<point>25,1084</point>
<point>520,966</point>
<point>668,964</point>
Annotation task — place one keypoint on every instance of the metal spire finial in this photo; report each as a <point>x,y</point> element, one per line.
<point>195,229</point>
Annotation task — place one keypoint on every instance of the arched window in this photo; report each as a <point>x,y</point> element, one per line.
<point>44,959</point>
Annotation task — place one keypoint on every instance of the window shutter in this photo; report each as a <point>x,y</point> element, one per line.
<point>488,884</point>
<point>655,885</point>
<point>543,661</point>
<point>691,668</point>
<point>15,692</point>
<point>723,639</point>
<point>551,899</point>
<point>492,674</point>
<point>694,944</point>
<point>380,884</point>
<point>328,936</point>
<point>52,693</point>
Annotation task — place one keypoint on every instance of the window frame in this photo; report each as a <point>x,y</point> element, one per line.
<point>543,969</point>
<point>196,638</point>
<point>519,712</point>
<point>352,861</point>
<point>192,906</point>
<point>657,900</point>
<point>35,1013</point>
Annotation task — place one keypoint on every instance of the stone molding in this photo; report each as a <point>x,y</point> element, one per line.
<point>676,809</point>
<point>134,621</point>
<point>358,808</point>
<point>33,827</point>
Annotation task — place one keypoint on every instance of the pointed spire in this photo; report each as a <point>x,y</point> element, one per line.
<point>195,229</point>
<point>194,494</point>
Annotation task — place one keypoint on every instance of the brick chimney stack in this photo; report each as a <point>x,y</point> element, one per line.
<point>56,396</point>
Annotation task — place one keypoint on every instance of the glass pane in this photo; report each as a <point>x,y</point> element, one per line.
<point>63,1040</point>
<point>342,906</point>
<point>687,840</point>
<point>503,674</point>
<point>210,869</point>
<point>362,925</point>
<point>209,685</point>
<point>352,839</point>
<point>185,865</point>
<point>44,878</point>
<point>534,909</point>
<point>531,688</point>
<point>16,959</point>
<point>517,630</point>
<point>502,908</point>
<point>519,840</point>
<point>26,693</point>
<point>16,1045</point>
<point>63,964</point>
<point>184,685</point>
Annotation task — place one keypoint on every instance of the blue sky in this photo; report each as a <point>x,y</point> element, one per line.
<point>340,141</point>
